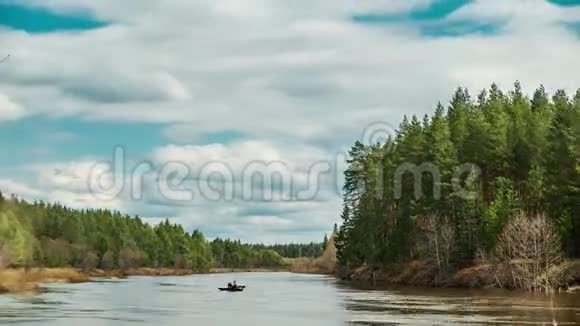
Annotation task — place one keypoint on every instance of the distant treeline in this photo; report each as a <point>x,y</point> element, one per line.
<point>296,250</point>
<point>52,235</point>
<point>525,159</point>
<point>234,254</point>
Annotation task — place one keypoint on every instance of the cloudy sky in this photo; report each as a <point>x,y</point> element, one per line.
<point>231,83</point>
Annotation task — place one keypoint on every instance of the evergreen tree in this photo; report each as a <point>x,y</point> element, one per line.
<point>526,154</point>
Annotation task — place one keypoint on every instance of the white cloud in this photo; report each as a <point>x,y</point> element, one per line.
<point>530,13</point>
<point>86,200</point>
<point>299,76</point>
<point>237,155</point>
<point>9,187</point>
<point>74,176</point>
<point>251,9</point>
<point>282,74</point>
<point>10,110</point>
<point>73,198</point>
<point>248,170</point>
<point>269,221</point>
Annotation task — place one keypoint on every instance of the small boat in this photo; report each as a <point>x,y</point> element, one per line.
<point>238,288</point>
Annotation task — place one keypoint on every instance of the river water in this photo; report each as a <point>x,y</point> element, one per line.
<point>277,299</point>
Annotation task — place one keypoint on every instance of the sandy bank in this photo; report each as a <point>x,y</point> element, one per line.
<point>20,280</point>
<point>423,273</point>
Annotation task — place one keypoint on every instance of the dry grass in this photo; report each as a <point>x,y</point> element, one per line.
<point>19,280</point>
<point>424,273</point>
<point>56,275</point>
<point>304,265</point>
<point>113,275</point>
<point>326,264</point>
<point>417,272</point>
<point>477,276</point>
<point>14,281</point>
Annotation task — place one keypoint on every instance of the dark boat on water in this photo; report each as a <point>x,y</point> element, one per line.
<point>236,288</point>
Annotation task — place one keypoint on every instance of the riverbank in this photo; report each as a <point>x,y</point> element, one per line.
<point>424,273</point>
<point>312,266</point>
<point>20,280</point>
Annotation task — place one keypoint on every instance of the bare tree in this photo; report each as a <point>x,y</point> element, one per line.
<point>528,255</point>
<point>440,236</point>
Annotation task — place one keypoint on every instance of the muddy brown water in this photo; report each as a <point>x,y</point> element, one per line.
<point>278,299</point>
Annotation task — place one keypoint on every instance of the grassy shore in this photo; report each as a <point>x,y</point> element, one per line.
<point>424,273</point>
<point>306,265</point>
<point>325,264</point>
<point>20,280</point>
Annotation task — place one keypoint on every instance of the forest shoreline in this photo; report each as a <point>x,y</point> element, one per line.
<point>423,273</point>
<point>418,273</point>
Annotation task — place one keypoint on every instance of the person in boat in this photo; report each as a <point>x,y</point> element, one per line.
<point>235,285</point>
<point>229,285</point>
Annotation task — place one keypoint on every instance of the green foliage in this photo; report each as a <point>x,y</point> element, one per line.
<point>234,254</point>
<point>505,205</point>
<point>527,153</point>
<point>95,239</point>
<point>52,235</point>
<point>17,245</point>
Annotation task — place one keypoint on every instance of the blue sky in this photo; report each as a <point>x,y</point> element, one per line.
<point>431,20</point>
<point>40,20</point>
<point>200,82</point>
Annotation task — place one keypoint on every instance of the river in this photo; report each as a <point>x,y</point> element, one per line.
<point>277,299</point>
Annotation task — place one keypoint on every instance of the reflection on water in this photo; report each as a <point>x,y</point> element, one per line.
<point>277,299</point>
<point>442,306</point>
